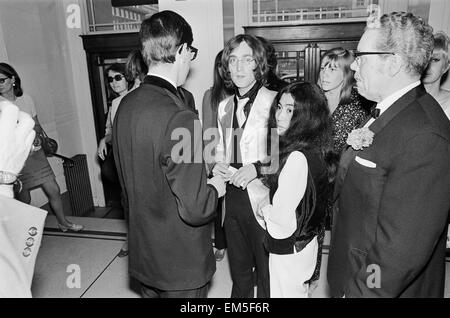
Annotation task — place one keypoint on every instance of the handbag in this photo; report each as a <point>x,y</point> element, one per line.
<point>49,145</point>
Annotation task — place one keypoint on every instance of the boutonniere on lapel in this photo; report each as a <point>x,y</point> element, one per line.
<point>360,138</point>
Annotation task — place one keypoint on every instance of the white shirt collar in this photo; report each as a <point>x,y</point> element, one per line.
<point>391,99</point>
<point>164,78</point>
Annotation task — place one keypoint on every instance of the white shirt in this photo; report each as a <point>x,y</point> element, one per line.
<point>391,99</point>
<point>280,216</point>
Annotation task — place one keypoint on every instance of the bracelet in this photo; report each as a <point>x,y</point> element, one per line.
<point>7,177</point>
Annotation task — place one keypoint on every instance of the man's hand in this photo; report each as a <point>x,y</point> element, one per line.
<point>16,137</point>
<point>219,183</point>
<point>221,169</point>
<point>244,176</point>
<point>102,150</point>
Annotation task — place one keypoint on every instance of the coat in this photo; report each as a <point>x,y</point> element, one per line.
<point>390,228</point>
<point>170,203</point>
<point>21,229</point>
<point>253,143</point>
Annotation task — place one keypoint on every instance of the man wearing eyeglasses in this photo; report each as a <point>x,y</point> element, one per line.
<point>242,122</point>
<point>169,199</point>
<point>390,225</point>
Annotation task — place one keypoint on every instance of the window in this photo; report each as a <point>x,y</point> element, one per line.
<point>361,3</point>
<point>102,17</point>
<point>267,12</point>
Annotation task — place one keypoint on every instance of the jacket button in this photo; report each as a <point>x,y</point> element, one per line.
<point>26,251</point>
<point>29,242</point>
<point>32,231</point>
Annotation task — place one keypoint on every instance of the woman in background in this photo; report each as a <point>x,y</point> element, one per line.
<point>295,219</point>
<point>37,171</point>
<point>346,106</point>
<point>135,68</point>
<point>336,80</point>
<point>119,85</point>
<point>437,71</point>
<point>211,100</point>
<point>131,74</point>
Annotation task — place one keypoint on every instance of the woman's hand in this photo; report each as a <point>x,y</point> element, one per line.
<point>244,176</point>
<point>102,150</point>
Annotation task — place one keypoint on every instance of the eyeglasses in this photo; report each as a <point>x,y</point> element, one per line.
<point>192,49</point>
<point>3,80</point>
<point>117,78</point>
<point>247,61</point>
<point>359,54</point>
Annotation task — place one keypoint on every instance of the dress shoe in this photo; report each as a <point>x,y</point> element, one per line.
<point>72,227</point>
<point>219,254</point>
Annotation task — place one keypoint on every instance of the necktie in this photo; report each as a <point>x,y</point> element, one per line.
<point>251,95</point>
<point>375,112</point>
<point>247,108</point>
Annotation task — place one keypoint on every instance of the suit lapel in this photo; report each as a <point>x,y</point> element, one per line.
<point>349,155</point>
<point>396,108</point>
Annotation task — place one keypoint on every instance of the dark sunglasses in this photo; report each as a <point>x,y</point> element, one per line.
<point>3,80</point>
<point>117,78</point>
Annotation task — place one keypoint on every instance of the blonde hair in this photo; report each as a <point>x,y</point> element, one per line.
<point>441,41</point>
<point>343,59</point>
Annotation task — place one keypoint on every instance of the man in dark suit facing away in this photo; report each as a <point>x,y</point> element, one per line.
<point>169,198</point>
<point>390,225</point>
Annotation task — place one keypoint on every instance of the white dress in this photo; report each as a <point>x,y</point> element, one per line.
<point>288,273</point>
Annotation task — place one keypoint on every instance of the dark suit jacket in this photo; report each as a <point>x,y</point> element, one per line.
<point>394,216</point>
<point>169,204</point>
<point>187,98</point>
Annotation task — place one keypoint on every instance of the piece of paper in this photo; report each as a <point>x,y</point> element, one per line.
<point>233,170</point>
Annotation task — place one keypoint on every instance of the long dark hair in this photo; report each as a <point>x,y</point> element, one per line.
<point>10,72</point>
<point>219,90</point>
<point>309,129</point>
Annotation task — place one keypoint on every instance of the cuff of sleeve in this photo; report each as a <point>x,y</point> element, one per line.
<point>258,165</point>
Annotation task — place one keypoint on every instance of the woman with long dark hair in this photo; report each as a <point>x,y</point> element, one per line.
<point>211,99</point>
<point>304,165</point>
<point>37,171</point>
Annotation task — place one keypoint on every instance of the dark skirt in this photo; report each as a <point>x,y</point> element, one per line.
<point>36,171</point>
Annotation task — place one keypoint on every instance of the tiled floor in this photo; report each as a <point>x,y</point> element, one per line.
<point>94,253</point>
<point>92,257</point>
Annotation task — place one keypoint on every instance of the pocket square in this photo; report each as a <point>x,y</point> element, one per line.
<point>365,162</point>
